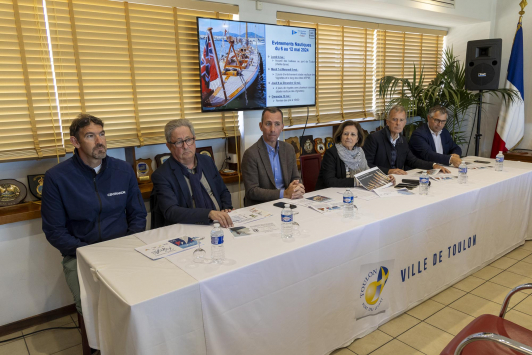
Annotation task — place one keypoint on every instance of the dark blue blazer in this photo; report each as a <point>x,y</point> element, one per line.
<point>422,145</point>
<point>173,200</point>
<point>80,207</point>
<point>378,151</point>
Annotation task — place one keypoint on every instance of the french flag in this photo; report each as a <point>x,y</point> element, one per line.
<point>511,124</point>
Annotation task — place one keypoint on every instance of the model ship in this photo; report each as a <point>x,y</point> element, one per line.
<point>224,79</point>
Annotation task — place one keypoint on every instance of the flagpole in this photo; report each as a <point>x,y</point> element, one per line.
<point>523,4</point>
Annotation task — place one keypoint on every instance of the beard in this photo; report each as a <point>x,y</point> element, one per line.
<point>99,152</point>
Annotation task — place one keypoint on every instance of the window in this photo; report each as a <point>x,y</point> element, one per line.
<point>352,55</point>
<point>135,66</point>
<point>28,113</point>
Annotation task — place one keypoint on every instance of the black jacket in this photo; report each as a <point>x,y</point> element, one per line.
<point>422,145</point>
<point>332,172</point>
<point>80,207</point>
<point>172,198</point>
<point>378,150</point>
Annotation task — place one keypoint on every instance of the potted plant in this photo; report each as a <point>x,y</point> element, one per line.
<point>446,89</point>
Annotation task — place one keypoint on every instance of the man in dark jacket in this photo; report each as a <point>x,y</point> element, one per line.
<point>89,198</point>
<point>388,150</point>
<point>188,188</point>
<point>433,142</point>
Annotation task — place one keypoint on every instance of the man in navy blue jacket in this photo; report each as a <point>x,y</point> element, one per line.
<point>188,188</point>
<point>433,142</point>
<point>89,198</point>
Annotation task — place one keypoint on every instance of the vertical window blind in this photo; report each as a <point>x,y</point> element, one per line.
<point>352,55</point>
<point>28,111</point>
<point>134,66</point>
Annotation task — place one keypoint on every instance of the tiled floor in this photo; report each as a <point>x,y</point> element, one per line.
<point>425,329</point>
<point>57,342</point>
<point>428,328</point>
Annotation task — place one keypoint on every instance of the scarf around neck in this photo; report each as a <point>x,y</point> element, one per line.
<point>354,159</point>
<point>199,193</point>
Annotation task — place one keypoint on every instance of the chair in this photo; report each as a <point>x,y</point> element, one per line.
<point>310,170</point>
<point>493,335</point>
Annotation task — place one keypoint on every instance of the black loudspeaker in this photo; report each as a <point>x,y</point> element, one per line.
<point>483,64</point>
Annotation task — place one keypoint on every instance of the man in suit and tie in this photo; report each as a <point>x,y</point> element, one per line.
<point>269,166</point>
<point>188,188</point>
<point>388,150</point>
<point>433,142</point>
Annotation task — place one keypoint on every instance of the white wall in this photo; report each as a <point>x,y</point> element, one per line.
<point>31,267</point>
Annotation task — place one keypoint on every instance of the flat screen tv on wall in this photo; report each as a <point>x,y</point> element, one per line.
<point>249,66</point>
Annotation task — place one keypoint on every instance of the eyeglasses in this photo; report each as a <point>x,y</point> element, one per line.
<point>179,143</point>
<point>439,121</point>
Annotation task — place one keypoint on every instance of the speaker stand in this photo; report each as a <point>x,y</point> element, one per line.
<point>478,135</point>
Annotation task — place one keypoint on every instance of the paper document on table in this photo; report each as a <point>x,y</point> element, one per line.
<point>373,179</point>
<point>326,207</point>
<point>445,177</point>
<point>165,248</point>
<point>478,167</point>
<point>319,203</point>
<point>364,194</point>
<point>430,172</point>
<point>248,215</point>
<point>311,201</point>
<point>392,192</point>
<point>245,231</point>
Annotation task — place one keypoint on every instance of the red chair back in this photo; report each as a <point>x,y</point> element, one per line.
<point>310,170</point>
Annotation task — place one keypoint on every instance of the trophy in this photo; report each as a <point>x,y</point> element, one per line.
<point>11,192</point>
<point>307,145</point>
<point>143,170</point>
<point>329,143</point>
<point>35,184</point>
<point>205,151</point>
<point>294,141</point>
<point>161,158</point>
<point>319,146</point>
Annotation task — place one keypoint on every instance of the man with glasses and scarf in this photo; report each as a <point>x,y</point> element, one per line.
<point>188,188</point>
<point>433,142</point>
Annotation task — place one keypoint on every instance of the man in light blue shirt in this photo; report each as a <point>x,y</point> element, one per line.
<point>269,166</point>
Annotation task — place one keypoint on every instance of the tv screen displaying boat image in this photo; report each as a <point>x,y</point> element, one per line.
<point>250,66</point>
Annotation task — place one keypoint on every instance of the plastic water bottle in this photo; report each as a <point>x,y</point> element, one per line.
<point>217,244</point>
<point>349,211</point>
<point>499,161</point>
<point>287,218</point>
<point>462,173</point>
<point>424,183</point>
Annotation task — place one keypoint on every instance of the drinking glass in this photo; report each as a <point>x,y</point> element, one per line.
<point>199,253</point>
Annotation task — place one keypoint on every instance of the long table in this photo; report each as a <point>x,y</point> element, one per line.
<point>337,282</point>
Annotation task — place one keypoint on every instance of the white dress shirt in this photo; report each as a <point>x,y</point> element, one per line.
<point>437,141</point>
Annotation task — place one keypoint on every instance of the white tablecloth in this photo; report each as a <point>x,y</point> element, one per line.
<point>306,296</point>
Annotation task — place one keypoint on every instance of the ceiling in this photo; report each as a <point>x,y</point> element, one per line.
<point>402,10</point>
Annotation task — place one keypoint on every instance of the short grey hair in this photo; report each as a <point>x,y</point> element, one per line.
<point>173,124</point>
<point>398,108</point>
<point>438,108</point>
